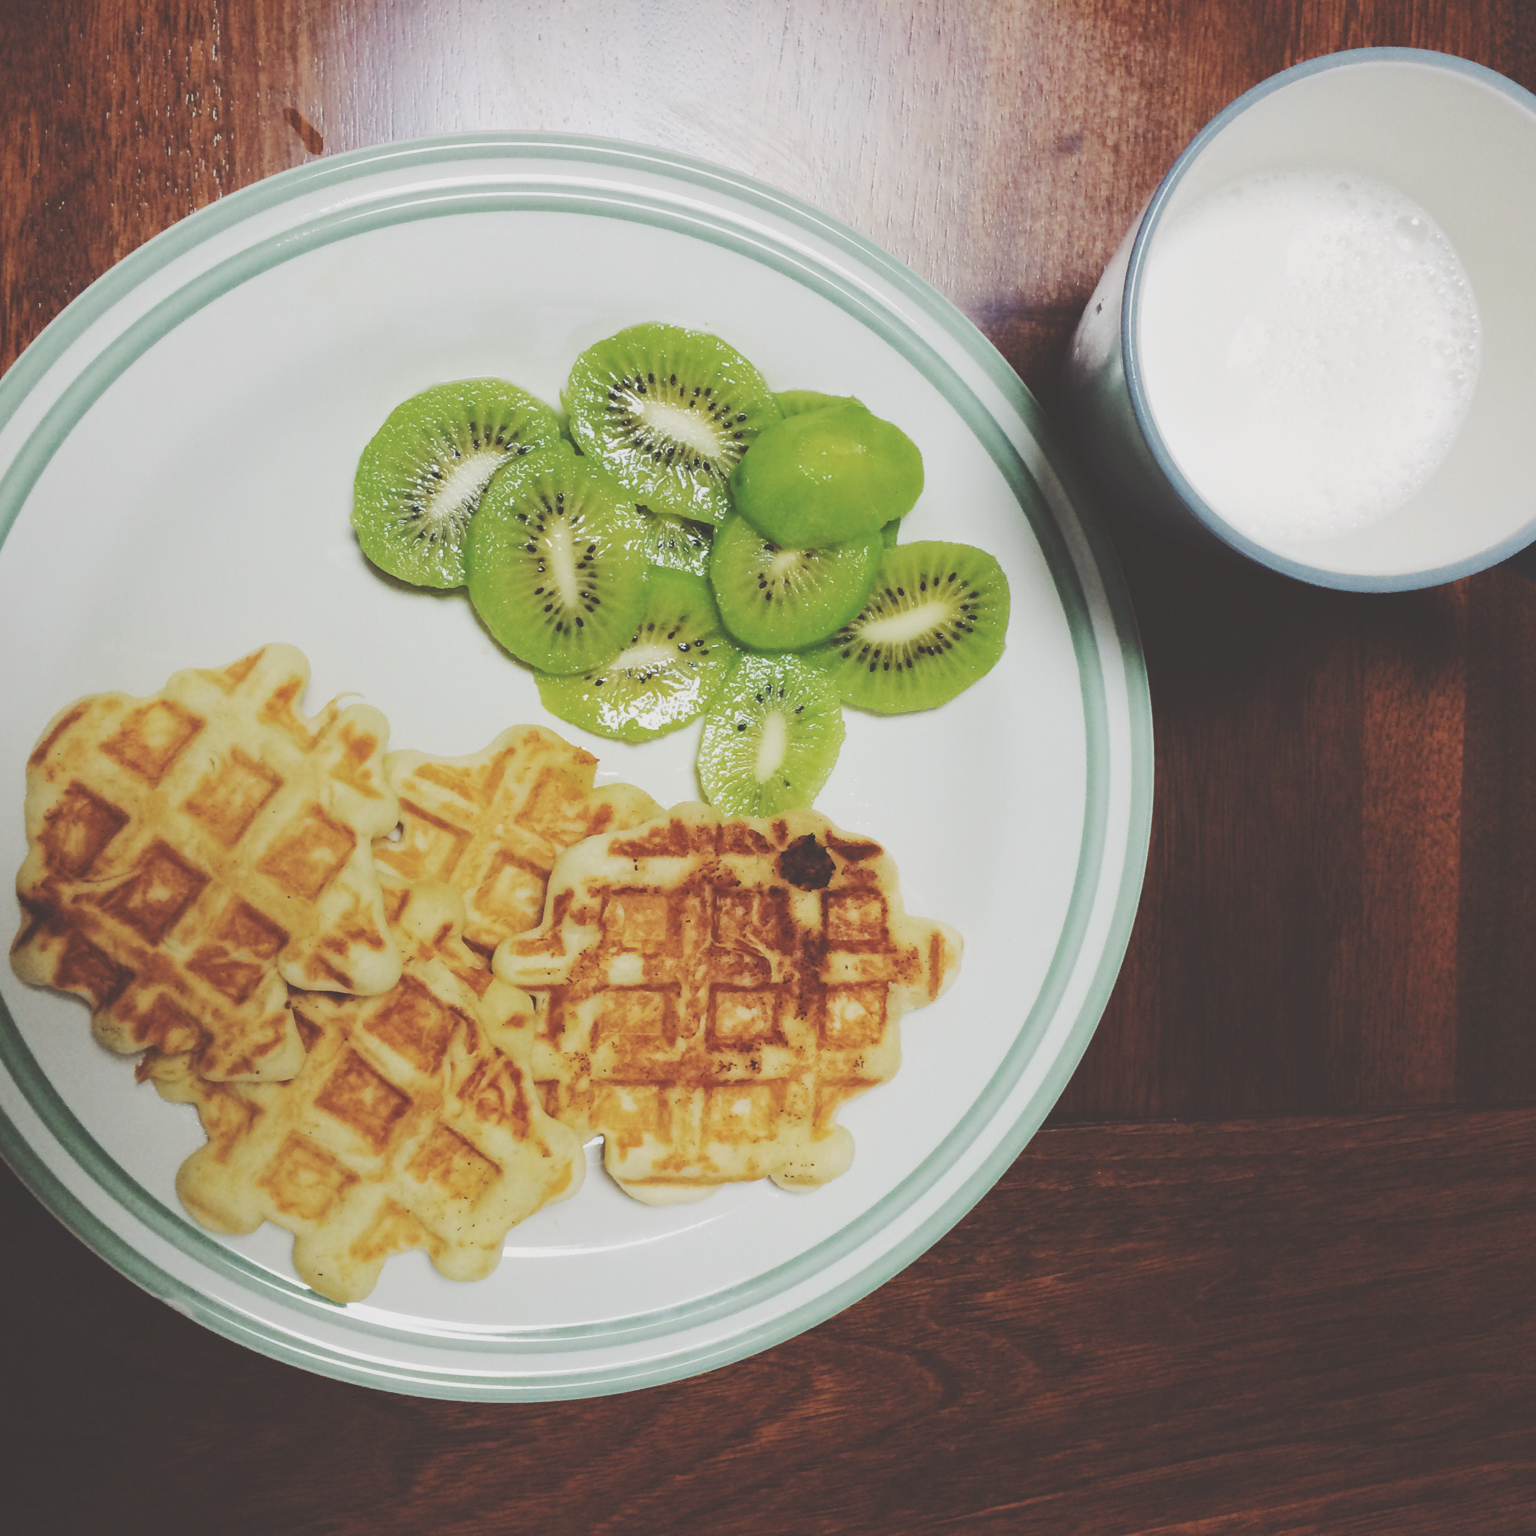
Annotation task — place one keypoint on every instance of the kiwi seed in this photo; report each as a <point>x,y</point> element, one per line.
<point>771,737</point>
<point>784,599</point>
<point>671,668</point>
<point>669,412</point>
<point>934,622</point>
<point>421,477</point>
<point>555,561</point>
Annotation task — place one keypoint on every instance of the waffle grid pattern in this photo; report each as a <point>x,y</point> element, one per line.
<point>191,851</point>
<point>413,1122</point>
<point>491,825</point>
<point>710,994</point>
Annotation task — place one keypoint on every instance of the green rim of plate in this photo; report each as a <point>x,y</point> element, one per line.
<point>406,206</point>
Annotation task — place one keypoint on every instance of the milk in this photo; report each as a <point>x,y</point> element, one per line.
<point>1309,344</point>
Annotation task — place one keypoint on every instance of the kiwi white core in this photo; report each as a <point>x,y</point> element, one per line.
<point>560,559</point>
<point>910,624</point>
<point>460,491</point>
<point>682,425</point>
<point>771,746</point>
<point>646,659</point>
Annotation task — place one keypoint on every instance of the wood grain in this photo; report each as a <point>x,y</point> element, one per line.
<point>1266,1326</point>
<point>1280,1325</point>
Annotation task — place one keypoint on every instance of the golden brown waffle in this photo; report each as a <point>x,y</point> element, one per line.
<point>491,825</point>
<point>711,992</point>
<point>190,851</point>
<point>413,1123</point>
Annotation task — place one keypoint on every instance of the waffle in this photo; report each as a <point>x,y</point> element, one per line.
<point>711,992</point>
<point>491,825</point>
<point>413,1123</point>
<point>191,851</point>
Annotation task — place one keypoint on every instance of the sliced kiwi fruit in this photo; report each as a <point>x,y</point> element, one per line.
<point>669,412</point>
<point>826,475</point>
<point>771,737</point>
<point>674,543</point>
<point>556,561</point>
<point>424,471</point>
<point>670,669</point>
<point>934,622</point>
<point>796,402</point>
<point>783,599</point>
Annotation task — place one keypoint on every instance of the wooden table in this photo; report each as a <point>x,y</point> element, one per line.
<point>1271,1265</point>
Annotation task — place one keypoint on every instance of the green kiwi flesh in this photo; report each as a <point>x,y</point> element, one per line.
<point>935,621</point>
<point>671,668</point>
<point>674,543</point>
<point>669,412</point>
<point>784,599</point>
<point>771,737</point>
<point>826,475</point>
<point>556,561</point>
<point>796,402</point>
<point>423,473</point>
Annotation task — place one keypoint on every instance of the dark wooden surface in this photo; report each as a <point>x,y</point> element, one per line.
<point>1271,1266</point>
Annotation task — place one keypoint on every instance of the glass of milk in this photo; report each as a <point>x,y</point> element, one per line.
<point>1317,346</point>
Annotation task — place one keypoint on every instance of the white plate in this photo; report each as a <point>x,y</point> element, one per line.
<point>176,458</point>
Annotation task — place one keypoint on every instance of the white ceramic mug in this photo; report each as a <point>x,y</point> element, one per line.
<point>1460,141</point>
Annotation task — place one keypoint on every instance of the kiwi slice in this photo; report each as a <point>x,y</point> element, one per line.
<point>669,412</point>
<point>934,622</point>
<point>556,561</point>
<point>796,402</point>
<point>771,737</point>
<point>424,471</point>
<point>827,475</point>
<point>674,543</point>
<point>671,668</point>
<point>782,599</point>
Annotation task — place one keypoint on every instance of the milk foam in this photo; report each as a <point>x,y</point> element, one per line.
<point>1310,344</point>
